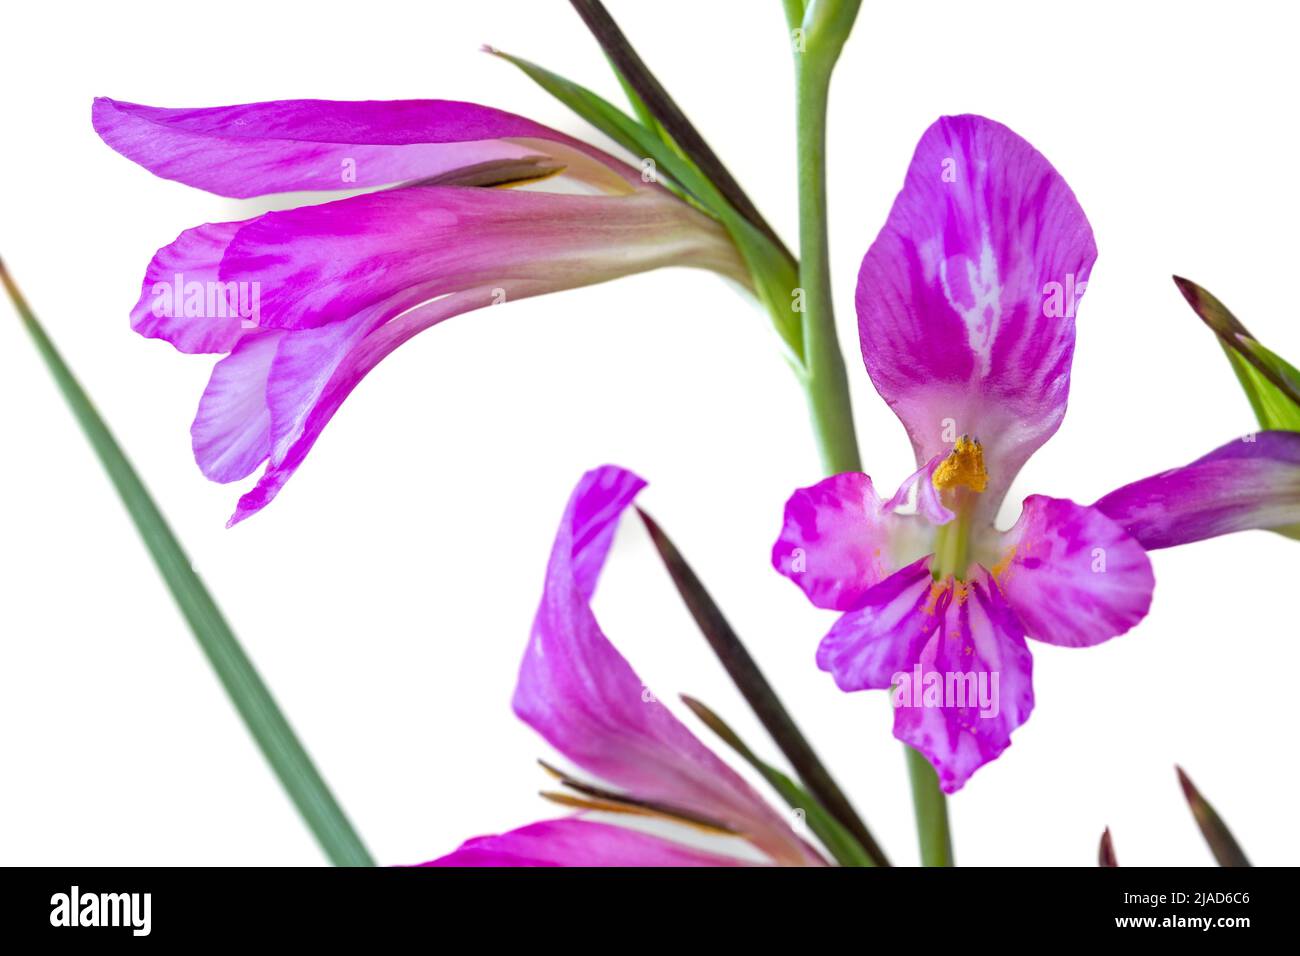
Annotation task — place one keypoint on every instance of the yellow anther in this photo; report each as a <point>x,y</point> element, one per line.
<point>964,467</point>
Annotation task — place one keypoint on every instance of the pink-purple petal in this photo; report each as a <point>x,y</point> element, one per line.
<point>1074,577</point>
<point>910,626</point>
<point>885,632</point>
<point>316,369</point>
<point>231,433</point>
<point>966,300</point>
<point>576,842</point>
<point>979,655</point>
<point>918,488</point>
<point>578,692</point>
<point>253,149</point>
<point>1252,482</point>
<point>323,263</point>
<point>491,258</point>
<point>838,540</point>
<point>179,282</point>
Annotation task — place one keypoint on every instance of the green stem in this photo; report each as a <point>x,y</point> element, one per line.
<point>238,676</point>
<point>825,379</point>
<point>827,25</point>
<point>931,810</point>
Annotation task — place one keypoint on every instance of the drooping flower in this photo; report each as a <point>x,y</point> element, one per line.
<point>305,302</point>
<point>578,692</point>
<point>966,305</point>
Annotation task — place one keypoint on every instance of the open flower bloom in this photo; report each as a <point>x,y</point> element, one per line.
<point>304,302</point>
<point>966,304</point>
<point>579,693</point>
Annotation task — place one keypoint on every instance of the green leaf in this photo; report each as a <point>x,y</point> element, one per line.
<point>758,693</point>
<point>643,114</point>
<point>1222,843</point>
<point>319,810</point>
<point>1271,384</point>
<point>846,850</point>
<point>667,115</point>
<point>1274,407</point>
<point>677,173</point>
<point>775,273</point>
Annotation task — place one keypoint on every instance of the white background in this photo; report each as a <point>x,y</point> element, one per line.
<point>387,594</point>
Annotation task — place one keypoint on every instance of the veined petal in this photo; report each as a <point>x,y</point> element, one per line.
<point>885,632</point>
<point>309,362</point>
<point>919,486</point>
<point>402,280</point>
<point>316,369</point>
<point>576,842</point>
<point>970,686</point>
<point>966,300</point>
<point>182,300</point>
<point>320,264</point>
<point>253,149</point>
<point>1073,576</point>
<point>1253,482</point>
<point>231,433</point>
<point>579,693</point>
<point>839,540</point>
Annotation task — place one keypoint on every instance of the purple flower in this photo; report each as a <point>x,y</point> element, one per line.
<point>579,693</point>
<point>306,301</point>
<point>966,304</point>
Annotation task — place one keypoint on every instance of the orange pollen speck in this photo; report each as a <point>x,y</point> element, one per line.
<point>937,590</point>
<point>1000,569</point>
<point>960,591</point>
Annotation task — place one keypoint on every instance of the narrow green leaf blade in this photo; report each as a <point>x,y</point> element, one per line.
<point>758,693</point>
<point>1274,407</point>
<point>675,173</point>
<point>643,114</point>
<point>304,785</point>
<point>1271,384</point>
<point>1222,843</point>
<point>841,844</point>
<point>668,114</point>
